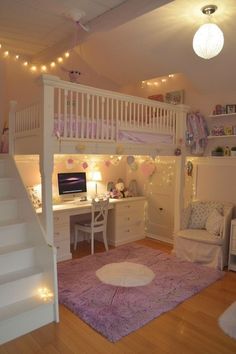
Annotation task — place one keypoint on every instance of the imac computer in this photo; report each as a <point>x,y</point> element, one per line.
<point>72,185</point>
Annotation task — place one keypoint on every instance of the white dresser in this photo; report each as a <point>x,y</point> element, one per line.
<point>126,221</point>
<point>232,246</point>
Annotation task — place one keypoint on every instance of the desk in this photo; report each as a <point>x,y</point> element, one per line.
<point>125,222</point>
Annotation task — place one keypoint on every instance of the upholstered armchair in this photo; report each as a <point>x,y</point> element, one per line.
<point>204,234</point>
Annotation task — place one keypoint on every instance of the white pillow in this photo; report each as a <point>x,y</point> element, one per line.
<point>214,223</point>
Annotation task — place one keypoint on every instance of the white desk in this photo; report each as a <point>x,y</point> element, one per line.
<point>125,222</point>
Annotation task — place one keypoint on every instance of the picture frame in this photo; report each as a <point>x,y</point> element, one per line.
<point>175,97</point>
<point>230,108</point>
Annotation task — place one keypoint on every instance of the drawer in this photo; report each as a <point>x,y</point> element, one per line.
<point>125,232</point>
<point>129,219</point>
<point>60,218</point>
<point>61,232</point>
<point>129,206</point>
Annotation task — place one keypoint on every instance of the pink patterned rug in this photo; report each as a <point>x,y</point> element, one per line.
<point>116,311</point>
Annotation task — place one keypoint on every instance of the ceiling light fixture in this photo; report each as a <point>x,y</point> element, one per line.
<point>208,41</point>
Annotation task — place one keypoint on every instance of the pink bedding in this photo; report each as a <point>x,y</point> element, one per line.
<point>94,130</point>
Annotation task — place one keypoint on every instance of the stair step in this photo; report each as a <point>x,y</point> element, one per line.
<point>20,285</point>
<point>23,317</point>
<point>6,187</point>
<point>21,306</point>
<point>16,257</point>
<point>12,232</point>
<point>8,209</point>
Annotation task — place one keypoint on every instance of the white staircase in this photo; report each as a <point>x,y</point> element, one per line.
<point>27,263</point>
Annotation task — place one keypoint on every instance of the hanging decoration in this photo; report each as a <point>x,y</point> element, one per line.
<point>69,163</point>
<point>107,163</point>
<point>189,168</point>
<point>197,133</point>
<point>130,160</point>
<point>33,67</point>
<point>84,165</point>
<point>148,168</point>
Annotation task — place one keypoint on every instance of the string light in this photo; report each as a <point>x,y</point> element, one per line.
<point>32,67</point>
<point>153,82</point>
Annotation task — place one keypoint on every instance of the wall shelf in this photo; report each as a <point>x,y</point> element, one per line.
<point>225,115</point>
<point>221,136</point>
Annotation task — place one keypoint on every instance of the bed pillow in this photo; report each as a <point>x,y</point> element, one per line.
<point>214,223</point>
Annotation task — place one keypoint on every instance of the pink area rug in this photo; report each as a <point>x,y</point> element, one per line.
<point>116,311</point>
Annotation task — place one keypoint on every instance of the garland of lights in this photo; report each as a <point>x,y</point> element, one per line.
<point>33,67</point>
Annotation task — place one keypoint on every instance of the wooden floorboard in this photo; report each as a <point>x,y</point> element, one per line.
<point>191,328</point>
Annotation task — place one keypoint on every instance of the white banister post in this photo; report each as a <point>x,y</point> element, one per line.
<point>181,123</point>
<point>180,166</point>
<point>46,156</point>
<point>11,124</point>
<point>179,191</point>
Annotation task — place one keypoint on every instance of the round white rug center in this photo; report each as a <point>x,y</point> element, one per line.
<point>125,274</point>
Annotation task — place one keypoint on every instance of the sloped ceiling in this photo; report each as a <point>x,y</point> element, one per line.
<point>128,41</point>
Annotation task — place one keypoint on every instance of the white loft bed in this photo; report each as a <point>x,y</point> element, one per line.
<point>76,119</point>
<point>73,118</point>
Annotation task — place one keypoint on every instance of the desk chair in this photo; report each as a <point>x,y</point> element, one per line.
<point>98,223</point>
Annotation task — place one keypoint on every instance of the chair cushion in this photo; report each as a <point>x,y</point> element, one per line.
<point>200,212</point>
<point>200,236</point>
<point>214,223</point>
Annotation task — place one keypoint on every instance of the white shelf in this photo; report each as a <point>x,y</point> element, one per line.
<point>221,136</point>
<point>222,115</point>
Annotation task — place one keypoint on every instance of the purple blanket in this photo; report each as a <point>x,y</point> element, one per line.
<point>116,311</point>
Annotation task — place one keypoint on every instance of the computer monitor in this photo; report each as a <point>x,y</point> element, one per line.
<point>72,183</point>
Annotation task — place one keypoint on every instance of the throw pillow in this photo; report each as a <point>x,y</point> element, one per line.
<point>214,223</point>
<point>198,216</point>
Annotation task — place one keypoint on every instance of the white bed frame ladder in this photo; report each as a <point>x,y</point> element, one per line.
<point>28,283</point>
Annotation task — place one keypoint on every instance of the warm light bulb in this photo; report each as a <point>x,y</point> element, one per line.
<point>17,57</point>
<point>25,63</point>
<point>171,75</point>
<point>33,68</point>
<point>163,80</point>
<point>67,54</point>
<point>0,46</point>
<point>53,64</point>
<point>6,53</point>
<point>60,60</point>
<point>45,294</point>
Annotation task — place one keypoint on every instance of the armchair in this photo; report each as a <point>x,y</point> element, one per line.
<point>204,234</point>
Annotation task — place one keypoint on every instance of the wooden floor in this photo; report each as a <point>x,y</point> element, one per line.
<point>191,328</point>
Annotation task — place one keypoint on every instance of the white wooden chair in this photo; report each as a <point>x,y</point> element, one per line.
<point>98,223</point>
<point>198,241</point>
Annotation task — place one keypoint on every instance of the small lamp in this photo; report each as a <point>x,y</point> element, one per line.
<point>208,41</point>
<point>96,177</point>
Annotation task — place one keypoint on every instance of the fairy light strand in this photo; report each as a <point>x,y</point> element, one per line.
<point>43,68</point>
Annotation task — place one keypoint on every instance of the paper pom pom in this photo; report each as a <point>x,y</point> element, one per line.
<point>107,163</point>
<point>130,160</point>
<point>148,168</point>
<point>84,165</point>
<point>69,164</point>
